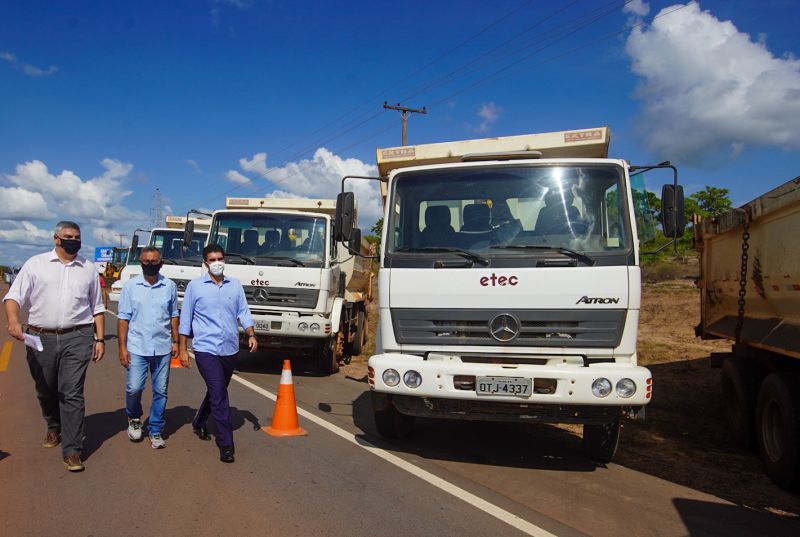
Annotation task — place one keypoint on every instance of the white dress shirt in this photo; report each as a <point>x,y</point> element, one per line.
<point>58,295</point>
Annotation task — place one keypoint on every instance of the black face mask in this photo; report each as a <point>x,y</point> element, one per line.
<point>151,270</point>
<point>71,246</point>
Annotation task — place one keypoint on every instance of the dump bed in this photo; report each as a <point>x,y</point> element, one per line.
<point>771,316</point>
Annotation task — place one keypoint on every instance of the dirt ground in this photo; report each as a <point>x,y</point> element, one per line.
<point>684,438</point>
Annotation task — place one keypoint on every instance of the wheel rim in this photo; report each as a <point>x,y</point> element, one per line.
<point>773,431</point>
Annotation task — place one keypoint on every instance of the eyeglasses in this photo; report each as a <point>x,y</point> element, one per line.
<point>149,262</point>
<point>69,237</point>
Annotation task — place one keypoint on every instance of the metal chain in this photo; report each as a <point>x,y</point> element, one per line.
<point>743,274</point>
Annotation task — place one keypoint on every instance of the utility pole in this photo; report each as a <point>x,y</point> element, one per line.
<point>405,111</point>
<point>120,238</point>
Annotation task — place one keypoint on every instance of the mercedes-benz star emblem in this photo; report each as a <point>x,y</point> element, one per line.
<point>504,327</point>
<point>261,295</point>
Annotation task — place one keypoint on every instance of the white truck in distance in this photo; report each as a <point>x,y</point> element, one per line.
<point>305,291</point>
<point>509,286</point>
<point>184,263</point>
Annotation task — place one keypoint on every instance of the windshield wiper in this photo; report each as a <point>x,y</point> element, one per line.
<point>296,262</point>
<point>560,249</point>
<point>250,260</point>
<point>466,254</point>
<point>168,261</point>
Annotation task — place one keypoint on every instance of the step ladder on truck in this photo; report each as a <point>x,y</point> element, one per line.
<point>509,283</point>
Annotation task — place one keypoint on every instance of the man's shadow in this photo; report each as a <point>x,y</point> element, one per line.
<point>100,427</point>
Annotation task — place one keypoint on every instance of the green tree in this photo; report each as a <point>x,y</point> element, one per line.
<point>711,201</point>
<point>377,232</point>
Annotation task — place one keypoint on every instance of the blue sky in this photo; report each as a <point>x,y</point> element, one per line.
<point>101,103</point>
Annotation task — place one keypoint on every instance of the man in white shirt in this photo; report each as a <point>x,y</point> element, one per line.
<point>65,309</point>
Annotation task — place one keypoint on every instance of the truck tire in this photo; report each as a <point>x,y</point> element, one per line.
<point>357,345</point>
<point>600,441</point>
<point>328,360</point>
<point>739,380</point>
<point>390,422</point>
<point>778,428</point>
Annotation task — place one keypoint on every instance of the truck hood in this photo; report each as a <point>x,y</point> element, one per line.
<point>516,288</point>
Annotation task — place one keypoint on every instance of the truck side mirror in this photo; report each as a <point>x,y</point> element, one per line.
<point>188,231</point>
<point>345,211</point>
<point>354,243</point>
<point>673,217</point>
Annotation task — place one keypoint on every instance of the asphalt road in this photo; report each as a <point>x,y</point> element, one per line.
<point>449,478</point>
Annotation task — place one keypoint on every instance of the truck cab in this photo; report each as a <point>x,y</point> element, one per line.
<point>305,292</point>
<point>509,287</point>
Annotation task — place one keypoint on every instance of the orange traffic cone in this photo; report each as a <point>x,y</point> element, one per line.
<point>284,420</point>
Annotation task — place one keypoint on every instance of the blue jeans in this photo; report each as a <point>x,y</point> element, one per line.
<point>137,375</point>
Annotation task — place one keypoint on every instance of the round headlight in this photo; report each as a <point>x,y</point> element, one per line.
<point>302,327</point>
<point>391,377</point>
<point>315,327</point>
<point>412,379</point>
<point>601,387</point>
<point>626,388</point>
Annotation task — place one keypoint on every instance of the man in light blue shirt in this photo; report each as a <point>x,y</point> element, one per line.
<point>213,307</point>
<point>148,337</point>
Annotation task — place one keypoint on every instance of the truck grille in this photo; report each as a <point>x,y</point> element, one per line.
<point>181,285</point>
<point>287,297</point>
<point>539,328</point>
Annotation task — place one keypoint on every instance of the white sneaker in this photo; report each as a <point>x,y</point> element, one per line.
<point>135,430</point>
<point>157,442</point>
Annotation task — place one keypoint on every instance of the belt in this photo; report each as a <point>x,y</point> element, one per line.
<point>37,330</point>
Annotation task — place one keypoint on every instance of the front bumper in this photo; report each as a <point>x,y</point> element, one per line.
<point>573,383</point>
<point>296,326</point>
<point>114,294</point>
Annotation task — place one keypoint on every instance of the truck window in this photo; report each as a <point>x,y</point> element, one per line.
<point>477,208</point>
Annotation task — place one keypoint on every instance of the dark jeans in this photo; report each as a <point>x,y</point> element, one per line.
<point>59,372</point>
<point>217,372</point>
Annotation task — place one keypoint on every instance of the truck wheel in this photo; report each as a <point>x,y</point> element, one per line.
<point>391,423</point>
<point>600,441</point>
<point>357,345</point>
<point>739,381</point>
<point>328,360</point>
<point>778,429</point>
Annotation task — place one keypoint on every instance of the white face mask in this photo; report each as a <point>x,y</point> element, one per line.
<point>216,267</point>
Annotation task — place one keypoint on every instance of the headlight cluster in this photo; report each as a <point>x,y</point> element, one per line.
<point>314,327</point>
<point>411,378</point>
<point>602,387</point>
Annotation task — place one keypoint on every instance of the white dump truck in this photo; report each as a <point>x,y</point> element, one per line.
<point>509,283</point>
<point>750,294</point>
<point>180,264</point>
<point>306,292</point>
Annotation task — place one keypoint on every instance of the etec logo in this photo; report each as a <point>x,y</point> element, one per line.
<point>259,282</point>
<point>494,280</point>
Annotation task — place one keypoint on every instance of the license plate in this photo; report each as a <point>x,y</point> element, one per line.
<point>517,386</point>
<point>262,325</point>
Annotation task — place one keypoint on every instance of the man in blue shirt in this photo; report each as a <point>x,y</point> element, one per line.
<point>212,305</point>
<point>148,337</point>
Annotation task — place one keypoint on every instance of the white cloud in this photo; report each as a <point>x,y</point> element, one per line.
<point>490,114</point>
<point>26,68</point>
<point>26,234</point>
<point>321,177</point>
<point>18,203</point>
<point>237,178</point>
<point>37,195</point>
<point>709,90</point>
<point>257,165</point>
<point>636,7</point>
<point>194,165</point>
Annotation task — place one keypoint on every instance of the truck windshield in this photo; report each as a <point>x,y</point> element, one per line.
<point>511,210</point>
<point>270,238</point>
<point>170,244</point>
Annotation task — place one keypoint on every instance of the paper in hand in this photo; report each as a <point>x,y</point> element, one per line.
<point>34,342</point>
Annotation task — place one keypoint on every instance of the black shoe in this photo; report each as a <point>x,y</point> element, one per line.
<point>202,433</point>
<point>226,454</point>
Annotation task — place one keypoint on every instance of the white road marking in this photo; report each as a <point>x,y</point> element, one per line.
<point>112,313</point>
<point>501,514</point>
